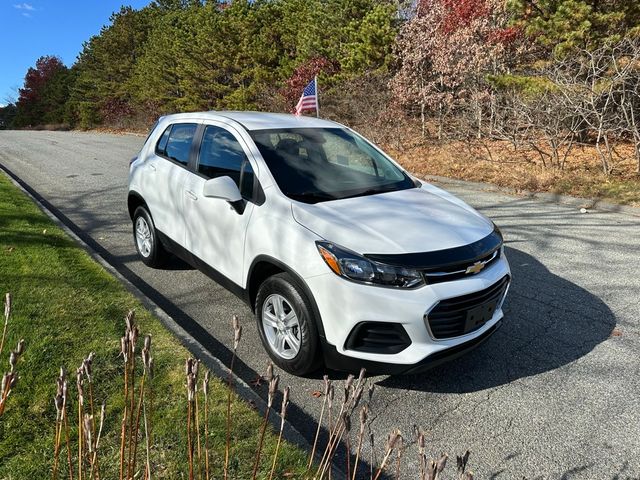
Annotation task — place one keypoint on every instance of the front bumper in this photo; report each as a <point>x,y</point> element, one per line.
<point>342,305</point>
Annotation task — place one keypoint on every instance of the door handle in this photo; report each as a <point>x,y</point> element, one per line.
<point>191,195</point>
<point>152,167</point>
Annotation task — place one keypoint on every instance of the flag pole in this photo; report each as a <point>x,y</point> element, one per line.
<point>317,97</point>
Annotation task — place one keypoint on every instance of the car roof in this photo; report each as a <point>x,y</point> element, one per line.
<point>259,120</point>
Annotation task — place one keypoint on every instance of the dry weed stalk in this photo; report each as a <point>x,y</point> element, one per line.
<point>422,456</point>
<point>435,467</point>
<point>59,402</point>
<point>196,367</point>
<point>145,355</point>
<point>147,362</point>
<point>393,439</point>
<point>364,413</point>
<point>205,391</point>
<point>10,378</point>
<point>80,388</point>
<point>191,391</point>
<point>132,338</point>
<point>94,458</point>
<point>352,397</point>
<point>283,414</point>
<point>273,388</point>
<point>325,395</point>
<point>129,429</point>
<point>237,334</point>
<point>7,314</point>
<point>399,452</point>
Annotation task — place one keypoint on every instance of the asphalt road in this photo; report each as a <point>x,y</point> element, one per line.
<point>554,393</point>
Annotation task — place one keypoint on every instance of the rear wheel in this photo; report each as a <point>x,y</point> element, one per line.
<point>149,248</point>
<point>286,325</point>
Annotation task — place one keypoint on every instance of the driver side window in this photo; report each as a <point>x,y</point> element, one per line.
<point>222,155</point>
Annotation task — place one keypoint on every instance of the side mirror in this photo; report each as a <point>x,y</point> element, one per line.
<point>222,187</point>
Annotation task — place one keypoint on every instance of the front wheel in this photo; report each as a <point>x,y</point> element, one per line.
<point>286,325</point>
<point>146,239</point>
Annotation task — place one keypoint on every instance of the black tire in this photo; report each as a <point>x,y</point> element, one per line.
<point>157,255</point>
<point>308,357</point>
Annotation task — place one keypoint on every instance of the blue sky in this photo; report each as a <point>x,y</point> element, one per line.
<point>31,29</point>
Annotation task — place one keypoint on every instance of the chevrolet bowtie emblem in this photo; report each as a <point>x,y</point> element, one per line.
<point>475,268</point>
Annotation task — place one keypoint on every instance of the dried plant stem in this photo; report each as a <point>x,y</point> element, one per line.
<point>80,440</point>
<point>94,461</point>
<point>363,422</point>
<point>56,444</point>
<point>383,464</point>
<point>132,404</point>
<point>68,440</point>
<point>4,334</point>
<point>3,398</point>
<point>123,435</point>
<point>93,426</point>
<point>7,314</point>
<point>275,455</point>
<point>315,440</point>
<point>263,429</point>
<point>206,435</point>
<point>189,442</point>
<point>283,414</point>
<point>147,472</point>
<point>123,430</point>
<point>198,451</point>
<point>399,460</point>
<point>355,463</point>
<point>391,444</point>
<point>137,424</point>
<point>334,439</point>
<point>348,456</point>
<point>228,438</point>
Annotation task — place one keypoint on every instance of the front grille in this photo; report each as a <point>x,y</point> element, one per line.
<point>458,270</point>
<point>378,337</point>
<point>450,317</point>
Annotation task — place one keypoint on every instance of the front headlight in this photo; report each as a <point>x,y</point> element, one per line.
<point>360,269</point>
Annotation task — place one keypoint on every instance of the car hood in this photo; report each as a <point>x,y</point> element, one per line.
<point>407,221</point>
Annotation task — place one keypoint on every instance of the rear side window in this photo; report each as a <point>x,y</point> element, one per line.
<point>175,142</point>
<point>222,155</point>
<point>161,147</point>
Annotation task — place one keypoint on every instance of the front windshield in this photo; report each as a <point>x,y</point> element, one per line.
<point>320,164</point>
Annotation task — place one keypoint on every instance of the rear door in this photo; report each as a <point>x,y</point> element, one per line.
<point>215,230</point>
<point>167,168</point>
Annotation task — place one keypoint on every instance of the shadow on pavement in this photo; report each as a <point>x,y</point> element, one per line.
<point>549,322</point>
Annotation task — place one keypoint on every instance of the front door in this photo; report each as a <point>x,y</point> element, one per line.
<point>216,230</point>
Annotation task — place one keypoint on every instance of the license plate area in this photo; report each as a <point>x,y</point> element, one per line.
<point>478,316</point>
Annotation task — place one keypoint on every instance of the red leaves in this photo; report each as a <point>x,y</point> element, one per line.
<point>303,74</point>
<point>36,78</point>
<point>505,36</point>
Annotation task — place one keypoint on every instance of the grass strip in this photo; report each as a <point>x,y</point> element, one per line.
<point>65,305</point>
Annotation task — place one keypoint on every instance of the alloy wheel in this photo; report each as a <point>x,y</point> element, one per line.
<point>281,326</point>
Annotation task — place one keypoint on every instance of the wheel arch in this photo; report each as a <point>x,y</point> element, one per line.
<point>263,267</point>
<point>135,200</point>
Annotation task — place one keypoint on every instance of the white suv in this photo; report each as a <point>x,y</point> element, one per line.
<point>342,255</point>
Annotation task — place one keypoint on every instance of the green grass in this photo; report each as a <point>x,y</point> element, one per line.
<point>65,306</point>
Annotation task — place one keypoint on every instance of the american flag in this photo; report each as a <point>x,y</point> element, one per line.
<point>309,98</point>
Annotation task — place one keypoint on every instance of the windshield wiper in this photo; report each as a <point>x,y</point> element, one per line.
<point>311,197</point>
<point>371,191</point>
